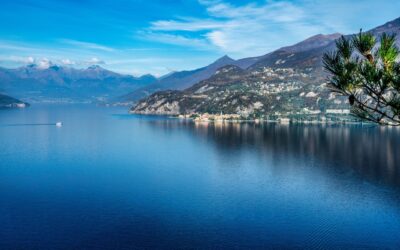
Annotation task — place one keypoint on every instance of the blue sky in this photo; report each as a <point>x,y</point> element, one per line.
<point>139,36</point>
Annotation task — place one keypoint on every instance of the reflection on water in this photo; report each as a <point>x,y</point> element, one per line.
<point>371,151</point>
<point>107,180</point>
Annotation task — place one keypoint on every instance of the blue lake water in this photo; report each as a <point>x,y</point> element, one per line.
<point>109,180</point>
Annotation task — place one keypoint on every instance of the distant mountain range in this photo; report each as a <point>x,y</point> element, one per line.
<point>65,83</point>
<point>288,80</point>
<point>95,83</point>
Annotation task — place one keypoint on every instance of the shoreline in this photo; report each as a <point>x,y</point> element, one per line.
<point>236,118</point>
<point>261,121</point>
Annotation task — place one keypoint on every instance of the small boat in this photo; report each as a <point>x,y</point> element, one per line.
<point>59,124</point>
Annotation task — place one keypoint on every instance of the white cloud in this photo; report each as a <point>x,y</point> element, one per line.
<point>218,38</point>
<point>43,63</point>
<point>94,60</point>
<point>67,62</point>
<point>30,60</point>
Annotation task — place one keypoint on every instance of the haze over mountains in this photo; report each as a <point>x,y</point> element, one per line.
<point>59,83</point>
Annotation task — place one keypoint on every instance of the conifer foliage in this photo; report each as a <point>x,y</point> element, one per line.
<point>367,70</point>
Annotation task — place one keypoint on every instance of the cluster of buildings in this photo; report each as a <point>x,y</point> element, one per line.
<point>274,88</point>
<point>211,117</point>
<point>280,73</point>
<point>279,80</point>
<point>15,105</point>
<point>304,116</point>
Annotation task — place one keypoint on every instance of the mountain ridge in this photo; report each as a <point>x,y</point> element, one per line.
<point>179,80</point>
<point>60,82</point>
<point>312,42</point>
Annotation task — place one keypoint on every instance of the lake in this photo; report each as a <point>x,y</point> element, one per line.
<point>110,180</point>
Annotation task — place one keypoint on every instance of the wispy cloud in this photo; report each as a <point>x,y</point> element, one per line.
<point>87,45</point>
<point>235,29</point>
<point>269,11</point>
<point>256,28</point>
<point>148,60</point>
<point>174,39</point>
<point>188,24</point>
<point>40,50</point>
<point>17,59</point>
<point>15,46</point>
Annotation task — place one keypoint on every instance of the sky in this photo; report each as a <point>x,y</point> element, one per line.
<point>159,36</point>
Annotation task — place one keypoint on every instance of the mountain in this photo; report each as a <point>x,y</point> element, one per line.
<point>184,79</point>
<point>233,90</point>
<point>308,53</point>
<point>317,41</point>
<point>57,82</point>
<point>294,72</point>
<point>10,102</point>
<point>389,27</point>
<point>290,81</point>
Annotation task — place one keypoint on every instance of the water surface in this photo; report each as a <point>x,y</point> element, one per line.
<point>109,180</point>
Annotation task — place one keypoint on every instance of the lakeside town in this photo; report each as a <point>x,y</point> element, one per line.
<point>331,116</point>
